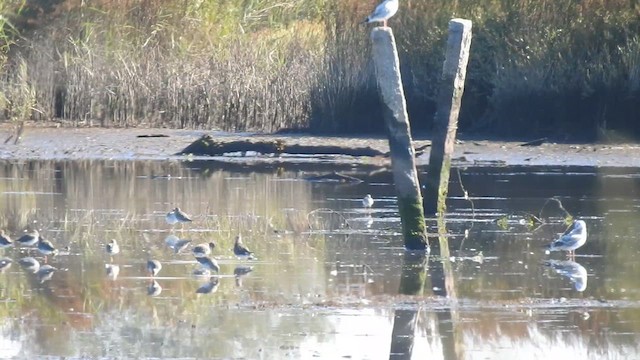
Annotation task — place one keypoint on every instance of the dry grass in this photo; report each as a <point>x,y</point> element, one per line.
<point>551,67</point>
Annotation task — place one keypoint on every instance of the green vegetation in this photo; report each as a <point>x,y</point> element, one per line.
<point>558,68</point>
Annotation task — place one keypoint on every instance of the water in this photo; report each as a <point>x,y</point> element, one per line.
<point>330,275</point>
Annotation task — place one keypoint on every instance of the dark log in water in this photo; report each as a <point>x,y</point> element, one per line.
<point>208,146</point>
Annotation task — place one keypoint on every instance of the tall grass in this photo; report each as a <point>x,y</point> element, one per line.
<point>559,68</point>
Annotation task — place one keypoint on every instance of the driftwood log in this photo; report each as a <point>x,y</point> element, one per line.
<point>208,146</point>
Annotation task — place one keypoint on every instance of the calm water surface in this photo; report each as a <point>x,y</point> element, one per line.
<point>330,276</point>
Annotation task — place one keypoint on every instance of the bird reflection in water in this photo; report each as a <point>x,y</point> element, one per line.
<point>154,289</point>
<point>210,286</point>
<point>241,271</point>
<point>112,271</point>
<point>575,272</point>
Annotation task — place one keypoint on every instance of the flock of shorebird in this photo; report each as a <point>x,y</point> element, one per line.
<point>30,239</point>
<point>573,238</point>
<point>201,252</point>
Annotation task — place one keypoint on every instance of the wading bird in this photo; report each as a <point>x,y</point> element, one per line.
<point>570,240</point>
<point>383,12</point>
<point>46,248</point>
<point>30,238</point>
<point>241,251</point>
<point>5,240</point>
<point>203,249</point>
<point>177,216</point>
<point>367,202</point>
<point>112,248</point>
<point>154,267</point>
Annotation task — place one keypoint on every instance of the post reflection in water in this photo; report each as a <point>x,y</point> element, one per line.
<point>331,280</point>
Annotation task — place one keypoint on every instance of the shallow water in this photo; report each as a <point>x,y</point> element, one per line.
<point>330,277</point>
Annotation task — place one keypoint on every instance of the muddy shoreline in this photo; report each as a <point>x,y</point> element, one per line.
<point>51,143</point>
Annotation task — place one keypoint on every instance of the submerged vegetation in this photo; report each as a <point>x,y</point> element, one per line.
<point>558,68</point>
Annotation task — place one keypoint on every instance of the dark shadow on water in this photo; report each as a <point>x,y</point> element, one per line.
<point>413,282</point>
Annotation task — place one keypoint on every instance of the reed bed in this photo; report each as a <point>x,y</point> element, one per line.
<point>557,68</point>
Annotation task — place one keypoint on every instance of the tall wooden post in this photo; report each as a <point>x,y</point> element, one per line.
<point>450,92</point>
<point>405,176</point>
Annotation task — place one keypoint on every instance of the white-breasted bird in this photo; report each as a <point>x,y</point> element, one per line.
<point>383,12</point>
<point>112,247</point>
<point>154,267</point>
<point>5,240</point>
<point>30,238</point>
<point>177,216</point>
<point>241,251</point>
<point>573,238</point>
<point>203,249</point>
<point>367,201</point>
<point>46,248</point>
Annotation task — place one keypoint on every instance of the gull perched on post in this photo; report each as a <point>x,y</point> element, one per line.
<point>383,12</point>
<point>573,238</point>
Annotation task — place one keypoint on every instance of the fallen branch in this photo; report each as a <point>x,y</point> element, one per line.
<point>208,146</point>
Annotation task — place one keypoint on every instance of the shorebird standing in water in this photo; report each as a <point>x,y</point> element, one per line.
<point>30,238</point>
<point>46,248</point>
<point>572,239</point>
<point>383,12</point>
<point>203,249</point>
<point>177,216</point>
<point>367,202</point>
<point>154,267</point>
<point>241,251</point>
<point>5,240</point>
<point>112,248</point>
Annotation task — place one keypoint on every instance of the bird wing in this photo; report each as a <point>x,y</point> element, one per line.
<point>567,240</point>
<point>386,9</point>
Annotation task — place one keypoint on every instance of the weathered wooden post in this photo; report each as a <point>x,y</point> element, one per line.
<point>445,127</point>
<point>405,176</point>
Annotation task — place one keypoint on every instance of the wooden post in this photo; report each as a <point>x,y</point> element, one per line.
<point>445,127</point>
<point>405,176</point>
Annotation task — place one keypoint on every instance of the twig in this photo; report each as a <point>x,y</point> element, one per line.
<point>330,211</point>
<point>466,195</point>
<point>568,214</point>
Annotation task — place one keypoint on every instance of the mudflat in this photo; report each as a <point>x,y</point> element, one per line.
<point>61,143</point>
